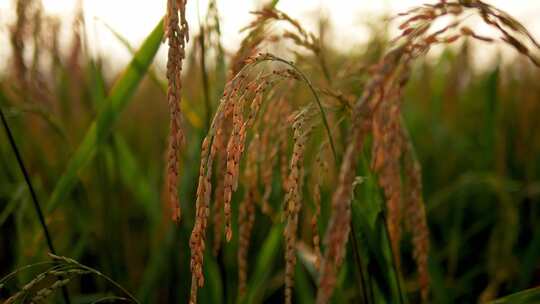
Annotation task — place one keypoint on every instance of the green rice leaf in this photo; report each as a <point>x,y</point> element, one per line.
<point>523,297</point>
<point>264,266</point>
<point>118,98</point>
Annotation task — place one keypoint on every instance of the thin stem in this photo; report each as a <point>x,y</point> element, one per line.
<point>206,84</point>
<point>32,194</point>
<point>17,271</point>
<point>111,281</point>
<point>394,263</point>
<point>28,183</point>
<point>109,300</point>
<point>356,254</point>
<point>324,68</point>
<point>317,99</point>
<point>72,262</point>
<point>273,3</point>
<point>204,74</point>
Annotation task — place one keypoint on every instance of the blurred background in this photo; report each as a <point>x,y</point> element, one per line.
<point>347,20</point>
<point>472,111</point>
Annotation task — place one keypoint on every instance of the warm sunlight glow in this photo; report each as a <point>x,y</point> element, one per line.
<point>134,19</point>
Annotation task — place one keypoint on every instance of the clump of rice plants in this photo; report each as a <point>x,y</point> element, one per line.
<point>377,114</point>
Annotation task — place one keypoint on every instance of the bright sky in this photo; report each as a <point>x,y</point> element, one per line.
<point>134,19</point>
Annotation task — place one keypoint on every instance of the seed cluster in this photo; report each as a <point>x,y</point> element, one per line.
<point>415,214</point>
<point>320,168</point>
<point>241,95</point>
<point>198,235</point>
<point>60,273</point>
<point>177,33</point>
<point>302,127</point>
<point>274,144</point>
<point>217,208</point>
<point>386,161</point>
<point>246,212</point>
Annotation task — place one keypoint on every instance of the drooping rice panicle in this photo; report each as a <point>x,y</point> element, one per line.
<point>246,212</point>
<point>177,34</point>
<point>302,127</point>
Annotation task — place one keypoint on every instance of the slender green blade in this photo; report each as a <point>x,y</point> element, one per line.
<point>374,245</point>
<point>117,100</point>
<point>212,291</point>
<point>133,178</point>
<point>523,297</point>
<point>303,290</point>
<point>263,267</point>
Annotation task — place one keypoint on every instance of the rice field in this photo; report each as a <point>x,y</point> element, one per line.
<point>284,171</point>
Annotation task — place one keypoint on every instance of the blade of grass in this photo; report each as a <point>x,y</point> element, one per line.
<point>134,179</point>
<point>304,291</point>
<point>204,75</point>
<point>263,267</point>
<point>98,85</point>
<point>155,267</point>
<point>212,291</point>
<point>522,297</point>
<point>369,223</point>
<point>117,100</point>
<point>308,267</point>
<point>12,203</point>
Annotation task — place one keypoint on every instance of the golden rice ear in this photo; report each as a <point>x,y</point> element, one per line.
<point>236,144</point>
<point>238,91</point>
<point>387,149</point>
<point>198,235</point>
<point>302,127</point>
<point>217,208</point>
<point>415,214</point>
<point>246,211</point>
<point>177,36</point>
<point>320,167</point>
<point>233,159</point>
<point>273,135</point>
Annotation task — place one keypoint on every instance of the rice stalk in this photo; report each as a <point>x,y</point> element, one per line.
<point>415,213</point>
<point>177,33</point>
<point>320,167</point>
<point>387,150</point>
<point>302,127</point>
<point>246,211</point>
<point>234,92</point>
<point>217,207</point>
